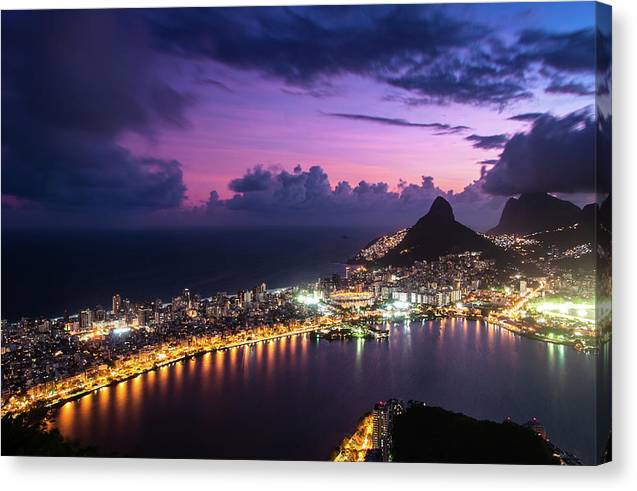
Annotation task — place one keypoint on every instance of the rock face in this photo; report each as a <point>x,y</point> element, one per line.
<point>535,212</point>
<point>436,234</point>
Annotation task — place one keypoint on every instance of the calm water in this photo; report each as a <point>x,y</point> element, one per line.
<point>295,399</point>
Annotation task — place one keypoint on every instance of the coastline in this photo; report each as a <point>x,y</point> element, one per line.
<point>156,366</point>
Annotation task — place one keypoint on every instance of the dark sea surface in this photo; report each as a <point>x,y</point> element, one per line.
<point>296,398</point>
<point>46,273</point>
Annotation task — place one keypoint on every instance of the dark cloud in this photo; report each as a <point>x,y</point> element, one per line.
<point>254,180</point>
<point>488,162</point>
<point>73,82</point>
<point>457,79</point>
<point>488,142</point>
<point>215,83</point>
<point>525,117</point>
<point>431,57</point>
<point>566,52</point>
<point>570,154</point>
<point>574,88</point>
<point>442,128</point>
<point>296,45</point>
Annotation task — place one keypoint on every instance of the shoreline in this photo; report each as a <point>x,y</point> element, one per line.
<point>78,395</point>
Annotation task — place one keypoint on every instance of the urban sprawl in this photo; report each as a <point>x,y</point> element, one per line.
<point>48,361</point>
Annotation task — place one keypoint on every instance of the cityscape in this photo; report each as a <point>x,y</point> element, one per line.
<point>185,264</point>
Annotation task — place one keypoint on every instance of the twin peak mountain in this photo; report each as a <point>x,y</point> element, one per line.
<point>438,233</point>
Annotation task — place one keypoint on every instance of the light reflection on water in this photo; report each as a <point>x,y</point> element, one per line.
<point>296,398</point>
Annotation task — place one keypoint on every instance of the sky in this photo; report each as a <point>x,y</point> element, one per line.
<point>300,116</point>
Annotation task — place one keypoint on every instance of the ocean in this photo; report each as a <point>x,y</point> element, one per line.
<point>45,273</point>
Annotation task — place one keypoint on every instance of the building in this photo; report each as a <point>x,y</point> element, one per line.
<point>187,298</point>
<point>379,420</point>
<point>86,319</point>
<point>347,300</point>
<point>383,416</point>
<point>117,303</point>
<point>523,290</point>
<point>144,317</point>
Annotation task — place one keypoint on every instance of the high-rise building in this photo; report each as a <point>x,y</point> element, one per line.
<point>522,288</point>
<point>86,319</point>
<point>117,303</point>
<point>379,421</point>
<point>187,298</point>
<point>383,417</point>
<point>144,317</point>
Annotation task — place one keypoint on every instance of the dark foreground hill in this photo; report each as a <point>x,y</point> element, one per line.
<point>535,212</point>
<point>432,434</point>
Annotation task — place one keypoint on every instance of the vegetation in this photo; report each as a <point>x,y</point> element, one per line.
<point>432,434</point>
<point>27,435</point>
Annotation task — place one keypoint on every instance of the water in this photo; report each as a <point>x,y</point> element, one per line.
<point>296,398</point>
<point>45,273</point>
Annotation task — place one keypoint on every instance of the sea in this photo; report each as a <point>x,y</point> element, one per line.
<point>47,273</point>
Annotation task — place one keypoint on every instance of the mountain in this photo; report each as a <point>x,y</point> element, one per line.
<point>434,235</point>
<point>536,212</point>
<point>433,434</point>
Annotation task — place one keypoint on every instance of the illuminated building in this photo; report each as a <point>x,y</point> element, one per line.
<point>347,299</point>
<point>117,303</point>
<point>86,319</point>
<point>379,415</point>
<point>144,317</point>
<point>383,416</point>
<point>187,297</point>
<point>522,288</point>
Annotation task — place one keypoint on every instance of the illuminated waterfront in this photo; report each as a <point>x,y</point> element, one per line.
<point>297,397</point>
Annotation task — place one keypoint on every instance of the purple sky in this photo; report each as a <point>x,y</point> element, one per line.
<point>137,116</point>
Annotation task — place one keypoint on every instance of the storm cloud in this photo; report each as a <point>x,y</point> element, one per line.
<point>68,102</point>
<point>569,154</point>
<point>429,57</point>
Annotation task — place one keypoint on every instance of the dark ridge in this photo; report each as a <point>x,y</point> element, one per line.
<point>535,212</point>
<point>432,434</point>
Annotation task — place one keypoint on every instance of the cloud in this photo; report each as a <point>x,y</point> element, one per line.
<point>442,128</point>
<point>301,46</point>
<point>73,83</point>
<point>215,83</point>
<point>306,197</point>
<point>574,88</point>
<point>488,142</point>
<point>569,154</point>
<point>565,52</point>
<point>427,56</point>
<point>525,117</point>
<point>317,93</point>
<point>456,79</point>
<point>254,180</point>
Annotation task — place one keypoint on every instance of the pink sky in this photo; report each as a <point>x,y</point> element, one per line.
<point>258,123</point>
